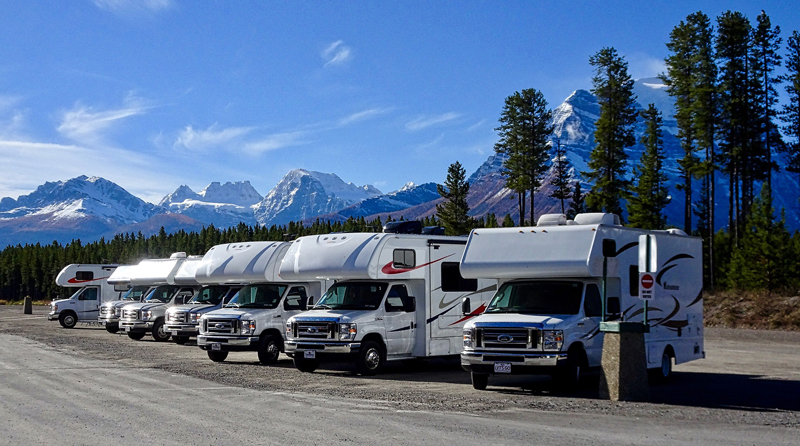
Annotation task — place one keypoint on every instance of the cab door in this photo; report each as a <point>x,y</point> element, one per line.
<point>399,320</point>
<point>88,303</point>
<point>590,325</point>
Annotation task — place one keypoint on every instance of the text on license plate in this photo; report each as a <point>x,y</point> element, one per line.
<point>216,346</point>
<point>309,354</point>
<point>502,367</point>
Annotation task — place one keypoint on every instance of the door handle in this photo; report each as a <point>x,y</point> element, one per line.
<point>580,324</point>
<point>277,316</point>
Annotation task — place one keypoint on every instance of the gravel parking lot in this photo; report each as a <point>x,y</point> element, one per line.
<point>749,377</point>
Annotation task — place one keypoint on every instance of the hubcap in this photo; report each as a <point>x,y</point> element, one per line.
<point>373,358</point>
<point>69,320</point>
<point>272,349</point>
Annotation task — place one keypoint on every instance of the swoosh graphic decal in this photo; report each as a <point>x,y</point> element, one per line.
<point>674,312</point>
<point>661,273</point>
<point>627,247</point>
<point>443,304</point>
<point>390,269</point>
<point>696,299</point>
<point>677,257</point>
<point>74,280</point>
<point>476,312</point>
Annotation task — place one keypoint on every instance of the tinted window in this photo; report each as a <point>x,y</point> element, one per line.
<point>89,294</point>
<point>404,258</point>
<point>397,295</point>
<point>258,296</point>
<point>353,296</point>
<point>84,275</point>
<point>452,280</point>
<point>633,280</point>
<point>592,301</point>
<point>296,296</point>
<point>538,297</point>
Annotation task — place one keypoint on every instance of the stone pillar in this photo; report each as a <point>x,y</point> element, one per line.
<point>624,363</point>
<point>27,305</point>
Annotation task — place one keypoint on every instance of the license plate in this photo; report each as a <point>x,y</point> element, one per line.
<point>502,367</point>
<point>310,354</point>
<point>216,346</point>
<point>127,328</point>
<point>174,332</point>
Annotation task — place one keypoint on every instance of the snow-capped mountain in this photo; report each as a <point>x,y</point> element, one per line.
<point>222,205</point>
<point>304,194</point>
<point>408,196</point>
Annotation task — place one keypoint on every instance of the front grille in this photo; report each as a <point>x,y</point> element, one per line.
<point>178,318</point>
<point>221,326</point>
<point>314,330</point>
<point>130,314</point>
<point>508,338</point>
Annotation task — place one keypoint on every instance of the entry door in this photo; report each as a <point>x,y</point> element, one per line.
<point>88,303</point>
<point>400,324</point>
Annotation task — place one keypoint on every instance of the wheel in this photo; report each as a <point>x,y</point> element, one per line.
<point>112,328</point>
<point>571,374</point>
<point>663,373</point>
<point>180,339</point>
<point>479,381</point>
<point>217,356</point>
<point>158,332</point>
<point>68,320</point>
<point>135,335</point>
<point>370,358</point>
<point>305,365</point>
<point>269,348</point>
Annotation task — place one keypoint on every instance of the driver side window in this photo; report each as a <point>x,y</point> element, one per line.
<point>88,294</point>
<point>295,298</point>
<point>592,301</point>
<point>394,300</point>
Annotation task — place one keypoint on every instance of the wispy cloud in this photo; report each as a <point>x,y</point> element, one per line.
<point>276,141</point>
<point>337,53</point>
<point>427,121</point>
<point>209,138</point>
<point>363,115</point>
<point>87,125</point>
<point>133,7</point>
<point>476,126</point>
<point>644,65</point>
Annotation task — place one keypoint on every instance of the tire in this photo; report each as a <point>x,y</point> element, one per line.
<point>663,373</point>
<point>570,376</point>
<point>479,381</point>
<point>158,332</point>
<point>370,358</point>
<point>269,348</point>
<point>68,319</point>
<point>217,356</point>
<point>305,365</point>
<point>135,335</point>
<point>112,328</point>
<point>180,339</point>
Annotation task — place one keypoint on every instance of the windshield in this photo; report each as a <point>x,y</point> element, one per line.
<point>135,293</point>
<point>353,296</point>
<point>537,297</point>
<point>75,294</point>
<point>161,294</point>
<point>258,296</point>
<point>211,295</point>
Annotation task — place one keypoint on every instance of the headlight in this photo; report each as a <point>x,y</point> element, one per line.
<point>247,327</point>
<point>194,317</point>
<point>117,311</point>
<point>552,340</point>
<point>347,332</point>
<point>469,337</point>
<point>288,329</point>
<point>55,307</point>
<point>146,315</point>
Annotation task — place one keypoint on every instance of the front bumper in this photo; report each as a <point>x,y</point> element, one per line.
<point>108,320</point>
<point>228,343</point>
<point>51,316</point>
<point>182,329</point>
<point>521,363</point>
<point>125,325</point>
<point>321,347</point>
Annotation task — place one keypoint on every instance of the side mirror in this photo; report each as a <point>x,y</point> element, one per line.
<point>613,310</point>
<point>409,304</point>
<point>609,247</point>
<point>305,303</point>
<point>466,307</point>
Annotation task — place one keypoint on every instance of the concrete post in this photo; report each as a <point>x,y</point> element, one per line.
<point>624,362</point>
<point>27,305</point>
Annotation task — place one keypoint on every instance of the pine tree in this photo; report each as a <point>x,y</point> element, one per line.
<point>613,88</point>
<point>524,131</point>
<point>577,205</point>
<point>650,194</point>
<point>562,178</point>
<point>453,211</point>
<point>790,113</point>
<point>508,222</point>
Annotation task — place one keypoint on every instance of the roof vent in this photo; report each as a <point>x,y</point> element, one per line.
<point>598,218</point>
<point>552,220</point>
<point>178,255</point>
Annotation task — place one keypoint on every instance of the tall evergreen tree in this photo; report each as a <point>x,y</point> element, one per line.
<point>577,205</point>
<point>453,211</point>
<point>613,87</point>
<point>525,130</point>
<point>790,113</point>
<point>562,178</point>
<point>650,194</point>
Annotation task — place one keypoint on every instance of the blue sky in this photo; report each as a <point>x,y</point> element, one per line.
<point>153,94</point>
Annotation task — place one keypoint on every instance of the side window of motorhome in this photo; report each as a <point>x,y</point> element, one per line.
<point>404,258</point>
<point>592,301</point>
<point>88,294</point>
<point>452,280</point>
<point>293,300</point>
<point>394,300</point>
<point>84,275</point>
<point>633,280</point>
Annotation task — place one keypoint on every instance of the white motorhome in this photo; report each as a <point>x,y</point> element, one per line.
<point>254,318</point>
<point>397,296</point>
<point>140,318</point>
<point>546,314</point>
<point>183,321</point>
<point>84,304</point>
<point>121,281</point>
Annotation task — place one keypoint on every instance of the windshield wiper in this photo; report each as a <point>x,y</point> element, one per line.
<point>327,307</point>
<point>232,305</point>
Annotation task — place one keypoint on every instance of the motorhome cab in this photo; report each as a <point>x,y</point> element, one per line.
<point>141,318</point>
<point>121,281</point>
<point>253,320</point>
<point>183,321</point>
<point>397,296</point>
<point>84,304</point>
<point>545,316</point>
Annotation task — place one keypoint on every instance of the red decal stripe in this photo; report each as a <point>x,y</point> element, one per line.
<point>477,311</point>
<point>74,280</point>
<point>390,269</point>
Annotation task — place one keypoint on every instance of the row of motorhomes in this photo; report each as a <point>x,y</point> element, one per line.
<point>525,300</point>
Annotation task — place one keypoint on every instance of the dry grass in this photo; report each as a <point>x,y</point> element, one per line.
<point>20,302</point>
<point>752,310</point>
